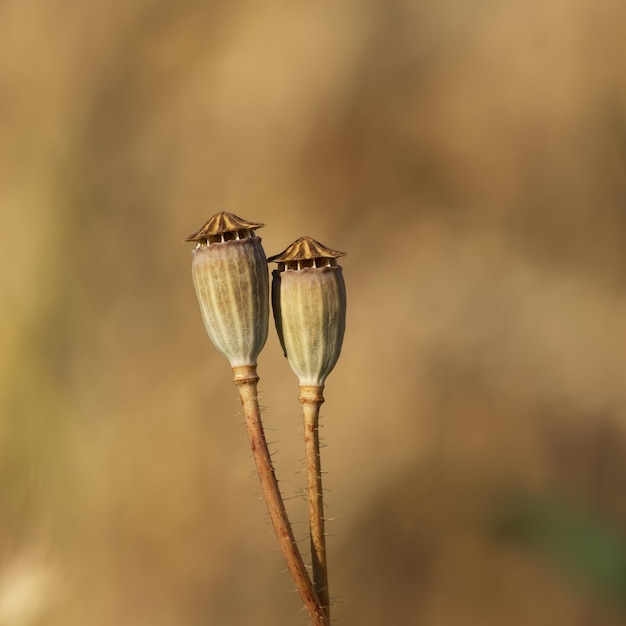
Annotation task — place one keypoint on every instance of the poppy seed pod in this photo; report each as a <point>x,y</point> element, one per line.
<point>309,302</point>
<point>229,273</point>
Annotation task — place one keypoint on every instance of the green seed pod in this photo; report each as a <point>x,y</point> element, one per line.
<point>229,273</point>
<point>309,302</point>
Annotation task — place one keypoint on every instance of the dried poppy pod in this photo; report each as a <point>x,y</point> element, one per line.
<point>309,302</point>
<point>230,277</point>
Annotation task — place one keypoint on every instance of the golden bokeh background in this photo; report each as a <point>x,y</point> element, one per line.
<point>469,157</point>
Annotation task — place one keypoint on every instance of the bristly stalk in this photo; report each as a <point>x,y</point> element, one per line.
<point>246,380</point>
<point>311,399</point>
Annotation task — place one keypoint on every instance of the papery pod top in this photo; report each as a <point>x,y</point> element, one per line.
<point>305,252</point>
<point>221,225</point>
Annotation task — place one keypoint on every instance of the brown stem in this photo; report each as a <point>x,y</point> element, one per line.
<point>311,399</point>
<point>246,379</point>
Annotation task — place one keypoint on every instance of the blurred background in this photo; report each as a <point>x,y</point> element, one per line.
<point>469,157</point>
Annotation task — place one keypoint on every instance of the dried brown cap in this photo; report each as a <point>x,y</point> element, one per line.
<point>220,224</point>
<point>305,248</point>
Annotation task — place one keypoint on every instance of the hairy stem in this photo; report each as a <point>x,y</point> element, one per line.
<point>246,379</point>
<point>311,399</point>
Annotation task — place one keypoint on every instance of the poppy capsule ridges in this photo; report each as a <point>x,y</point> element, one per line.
<point>229,273</point>
<point>309,302</point>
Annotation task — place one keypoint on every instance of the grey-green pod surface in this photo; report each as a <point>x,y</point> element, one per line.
<point>309,303</point>
<point>229,272</point>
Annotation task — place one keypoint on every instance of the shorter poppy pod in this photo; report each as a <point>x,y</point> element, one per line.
<point>229,273</point>
<point>309,303</point>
